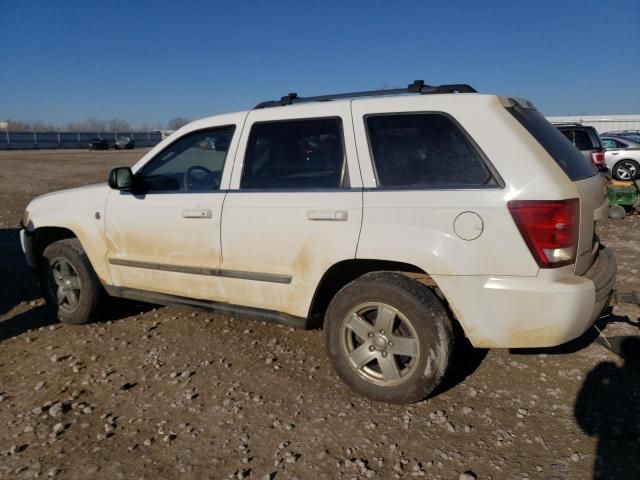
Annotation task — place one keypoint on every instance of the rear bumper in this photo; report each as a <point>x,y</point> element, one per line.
<point>521,312</point>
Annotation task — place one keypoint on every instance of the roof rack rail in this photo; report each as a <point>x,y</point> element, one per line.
<point>568,124</point>
<point>417,86</point>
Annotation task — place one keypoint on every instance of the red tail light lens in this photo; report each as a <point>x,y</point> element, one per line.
<point>549,228</point>
<point>597,158</point>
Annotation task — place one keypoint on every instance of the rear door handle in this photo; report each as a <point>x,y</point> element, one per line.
<point>197,213</point>
<point>328,215</point>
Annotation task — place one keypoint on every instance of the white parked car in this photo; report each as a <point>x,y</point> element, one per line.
<point>622,157</point>
<point>388,220</point>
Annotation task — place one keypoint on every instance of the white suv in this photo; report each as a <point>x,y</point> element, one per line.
<point>389,220</point>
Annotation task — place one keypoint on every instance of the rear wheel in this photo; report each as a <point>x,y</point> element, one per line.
<point>69,284</point>
<point>388,337</point>
<point>626,170</point>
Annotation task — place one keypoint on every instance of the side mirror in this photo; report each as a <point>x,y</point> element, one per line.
<point>121,178</point>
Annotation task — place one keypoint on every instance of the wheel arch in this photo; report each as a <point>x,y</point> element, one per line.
<point>346,271</point>
<point>45,236</point>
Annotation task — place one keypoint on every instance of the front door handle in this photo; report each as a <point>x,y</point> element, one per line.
<point>197,213</point>
<point>328,215</point>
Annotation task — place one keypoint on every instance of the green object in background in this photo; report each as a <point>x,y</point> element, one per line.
<point>622,194</point>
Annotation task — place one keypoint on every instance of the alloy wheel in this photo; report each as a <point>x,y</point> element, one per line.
<point>626,170</point>
<point>381,343</point>
<point>65,285</point>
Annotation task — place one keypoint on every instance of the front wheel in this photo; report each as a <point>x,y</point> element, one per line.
<point>69,284</point>
<point>388,337</point>
<point>626,170</point>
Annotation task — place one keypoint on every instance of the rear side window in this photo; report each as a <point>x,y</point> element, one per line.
<point>582,140</point>
<point>425,150</point>
<point>617,144</point>
<point>576,166</point>
<point>610,143</point>
<point>298,154</point>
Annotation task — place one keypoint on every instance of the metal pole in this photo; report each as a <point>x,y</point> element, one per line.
<point>59,142</point>
<point>35,139</point>
<point>79,145</point>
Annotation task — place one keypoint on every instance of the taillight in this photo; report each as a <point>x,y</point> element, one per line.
<point>549,228</point>
<point>597,158</point>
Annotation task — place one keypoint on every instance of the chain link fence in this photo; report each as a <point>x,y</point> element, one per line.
<point>46,140</point>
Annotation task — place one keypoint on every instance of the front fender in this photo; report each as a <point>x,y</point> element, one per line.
<point>80,211</point>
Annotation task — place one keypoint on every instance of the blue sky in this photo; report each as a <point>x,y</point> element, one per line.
<point>149,61</point>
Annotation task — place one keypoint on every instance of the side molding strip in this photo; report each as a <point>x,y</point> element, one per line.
<point>256,276</point>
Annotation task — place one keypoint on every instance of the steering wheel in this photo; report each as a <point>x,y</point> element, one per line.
<point>198,177</point>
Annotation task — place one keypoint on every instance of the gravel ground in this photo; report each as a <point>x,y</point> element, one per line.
<point>168,392</point>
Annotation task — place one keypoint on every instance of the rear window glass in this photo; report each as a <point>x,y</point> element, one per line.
<point>568,157</point>
<point>425,151</point>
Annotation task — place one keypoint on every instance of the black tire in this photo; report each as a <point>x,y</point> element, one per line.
<point>419,312</point>
<point>89,294</point>
<point>626,168</point>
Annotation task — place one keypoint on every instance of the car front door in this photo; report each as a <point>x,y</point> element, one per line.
<point>294,207</point>
<point>164,236</point>
<point>612,151</point>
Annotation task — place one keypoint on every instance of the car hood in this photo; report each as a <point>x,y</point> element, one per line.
<point>71,199</point>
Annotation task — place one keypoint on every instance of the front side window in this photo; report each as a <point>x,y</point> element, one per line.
<point>425,151</point>
<point>193,163</point>
<point>296,154</point>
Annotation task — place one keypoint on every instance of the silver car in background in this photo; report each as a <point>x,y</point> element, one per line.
<point>622,157</point>
<point>633,135</point>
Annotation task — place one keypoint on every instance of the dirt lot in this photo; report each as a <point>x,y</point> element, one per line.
<point>177,393</point>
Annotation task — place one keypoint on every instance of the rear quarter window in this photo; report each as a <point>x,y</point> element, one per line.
<point>567,156</point>
<point>425,150</point>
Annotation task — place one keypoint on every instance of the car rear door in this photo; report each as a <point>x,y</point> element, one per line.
<point>294,207</point>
